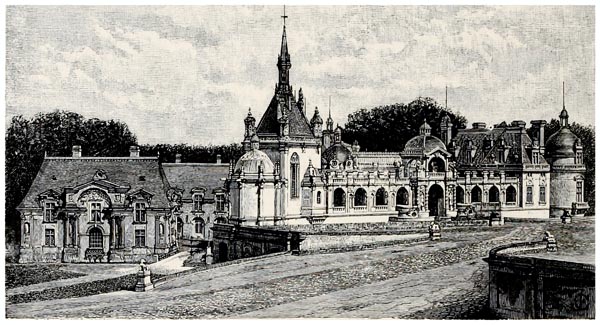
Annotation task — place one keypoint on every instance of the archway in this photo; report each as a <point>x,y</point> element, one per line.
<point>402,197</point>
<point>380,197</point>
<point>511,194</point>
<point>437,165</point>
<point>223,252</point>
<point>96,240</point>
<point>494,194</point>
<point>360,198</point>
<point>436,200</point>
<point>460,195</point>
<point>179,228</point>
<point>476,195</point>
<point>339,198</point>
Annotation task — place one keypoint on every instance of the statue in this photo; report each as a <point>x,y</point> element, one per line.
<point>434,231</point>
<point>143,278</point>
<point>551,245</point>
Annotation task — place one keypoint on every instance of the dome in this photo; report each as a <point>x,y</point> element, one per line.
<point>561,144</point>
<point>251,160</point>
<point>316,118</point>
<point>423,142</point>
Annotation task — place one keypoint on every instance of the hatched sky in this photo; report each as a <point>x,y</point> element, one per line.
<point>189,74</point>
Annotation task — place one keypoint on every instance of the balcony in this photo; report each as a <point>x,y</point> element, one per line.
<point>438,175</point>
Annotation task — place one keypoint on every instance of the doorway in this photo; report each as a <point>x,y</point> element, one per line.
<point>436,201</point>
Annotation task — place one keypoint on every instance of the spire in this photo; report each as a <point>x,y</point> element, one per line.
<point>284,64</point>
<point>564,115</point>
<point>329,119</point>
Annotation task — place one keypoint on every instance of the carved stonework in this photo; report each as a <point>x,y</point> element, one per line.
<point>94,195</point>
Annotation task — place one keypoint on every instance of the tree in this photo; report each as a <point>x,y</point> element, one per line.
<point>587,136</point>
<point>390,127</point>
<point>196,154</point>
<point>54,134</point>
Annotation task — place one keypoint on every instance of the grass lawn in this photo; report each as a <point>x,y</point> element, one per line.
<point>18,275</point>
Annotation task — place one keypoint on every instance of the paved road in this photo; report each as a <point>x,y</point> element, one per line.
<point>420,280</point>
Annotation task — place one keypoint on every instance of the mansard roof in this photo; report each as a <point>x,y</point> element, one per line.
<point>298,124</point>
<point>514,138</point>
<point>188,176</point>
<point>59,173</point>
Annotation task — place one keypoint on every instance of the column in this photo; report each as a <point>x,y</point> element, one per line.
<point>65,231</point>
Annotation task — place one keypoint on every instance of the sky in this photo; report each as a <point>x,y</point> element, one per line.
<point>183,74</point>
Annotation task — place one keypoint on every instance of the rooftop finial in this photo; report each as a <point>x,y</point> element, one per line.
<point>563,94</point>
<point>329,106</point>
<point>284,16</point>
<point>446,97</point>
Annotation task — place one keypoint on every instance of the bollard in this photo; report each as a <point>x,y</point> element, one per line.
<point>143,278</point>
<point>209,255</point>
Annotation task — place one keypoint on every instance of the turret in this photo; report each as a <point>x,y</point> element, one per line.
<point>250,126</point>
<point>446,129</point>
<point>337,135</point>
<point>301,102</point>
<point>284,64</point>
<point>425,129</point>
<point>316,124</point>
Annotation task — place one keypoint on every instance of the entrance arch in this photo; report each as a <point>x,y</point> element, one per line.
<point>476,195</point>
<point>402,197</point>
<point>436,201</point>
<point>494,195</point>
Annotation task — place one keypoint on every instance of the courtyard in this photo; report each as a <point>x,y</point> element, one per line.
<point>444,279</point>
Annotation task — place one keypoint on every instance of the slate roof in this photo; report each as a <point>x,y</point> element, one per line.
<point>57,173</point>
<point>298,124</point>
<point>187,176</point>
<point>513,137</point>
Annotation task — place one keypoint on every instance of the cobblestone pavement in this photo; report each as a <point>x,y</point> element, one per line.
<point>445,279</point>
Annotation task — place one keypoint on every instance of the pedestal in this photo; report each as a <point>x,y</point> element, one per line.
<point>143,281</point>
<point>209,255</point>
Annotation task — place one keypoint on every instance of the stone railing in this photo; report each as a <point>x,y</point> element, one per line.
<point>380,208</point>
<point>360,208</point>
<point>436,174</point>
<point>338,209</point>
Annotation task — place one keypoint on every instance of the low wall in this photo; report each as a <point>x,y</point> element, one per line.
<point>318,243</point>
<point>380,228</point>
<point>528,287</point>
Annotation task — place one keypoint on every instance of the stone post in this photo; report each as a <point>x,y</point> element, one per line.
<point>209,255</point>
<point>143,278</point>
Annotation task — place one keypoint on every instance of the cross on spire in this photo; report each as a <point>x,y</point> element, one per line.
<point>284,15</point>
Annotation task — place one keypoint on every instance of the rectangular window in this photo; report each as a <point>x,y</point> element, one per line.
<point>140,238</point>
<point>197,202</point>
<point>529,194</point>
<point>49,239</point>
<point>49,212</point>
<point>140,212</point>
<point>579,157</point>
<point>294,185</point>
<point>96,212</point>
<point>220,202</point>
<point>579,193</point>
<point>536,159</point>
<point>542,194</point>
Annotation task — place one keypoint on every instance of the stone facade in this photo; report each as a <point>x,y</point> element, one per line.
<point>296,172</point>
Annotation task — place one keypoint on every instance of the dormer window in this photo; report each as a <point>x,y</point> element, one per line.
<point>536,158</point>
<point>96,212</point>
<point>579,157</point>
<point>140,212</point>
<point>198,200</point>
<point>220,202</point>
<point>50,212</point>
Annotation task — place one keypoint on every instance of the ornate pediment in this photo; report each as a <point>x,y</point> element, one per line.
<point>49,195</point>
<point>140,195</point>
<point>105,185</point>
<point>94,194</point>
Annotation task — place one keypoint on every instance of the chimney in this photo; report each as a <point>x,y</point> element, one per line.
<point>134,151</point>
<point>178,158</point>
<point>218,159</point>
<point>539,127</point>
<point>479,125</point>
<point>76,151</point>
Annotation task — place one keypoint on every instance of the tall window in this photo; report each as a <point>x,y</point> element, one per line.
<point>579,157</point>
<point>49,212</point>
<point>197,198</point>
<point>339,198</point>
<point>220,202</point>
<point>318,197</point>
<point>542,194</point>
<point>49,238</point>
<point>511,195</point>
<point>402,196</point>
<point>295,175</point>
<point>140,238</point>
<point>579,191</point>
<point>529,194</point>
<point>380,197</point>
<point>199,226</point>
<point>494,194</point>
<point>161,230</point>
<point>95,238</point>
<point>96,212</point>
<point>140,212</point>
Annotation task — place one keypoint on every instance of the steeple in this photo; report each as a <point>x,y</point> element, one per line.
<point>329,119</point>
<point>283,61</point>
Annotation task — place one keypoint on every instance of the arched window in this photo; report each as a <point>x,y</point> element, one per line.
<point>360,198</point>
<point>96,238</point>
<point>199,226</point>
<point>475,194</point>
<point>460,195</point>
<point>511,195</point>
<point>437,165</point>
<point>161,230</point>
<point>318,197</point>
<point>295,175</point>
<point>381,197</point>
<point>339,198</point>
<point>26,228</point>
<point>494,194</point>
<point>402,197</point>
